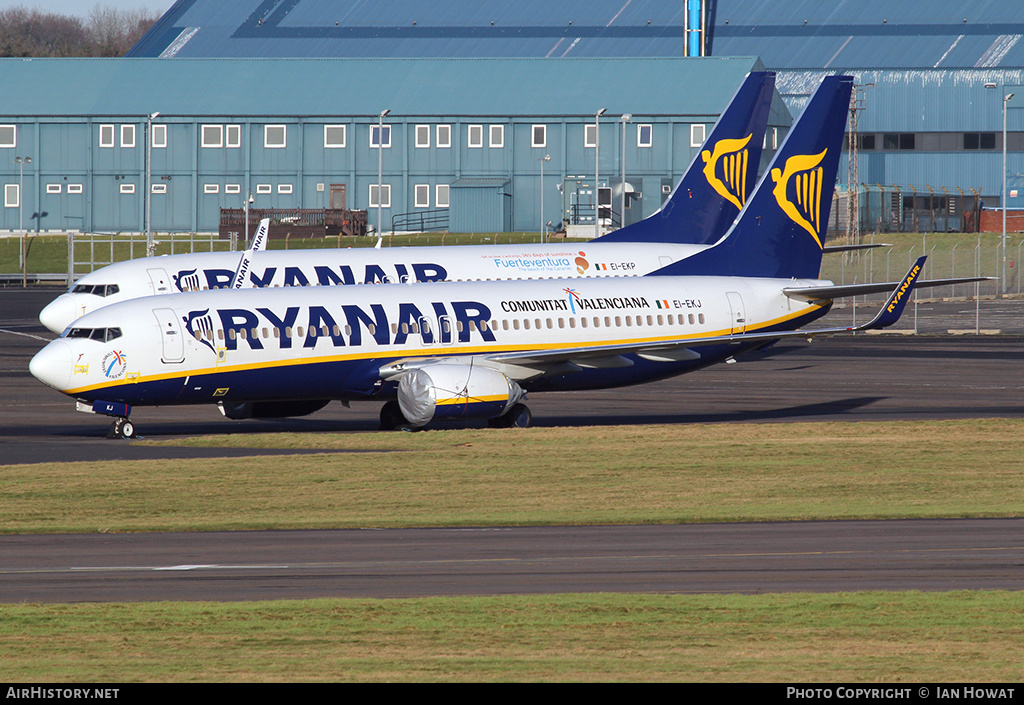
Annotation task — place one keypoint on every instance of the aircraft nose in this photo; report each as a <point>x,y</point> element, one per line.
<point>53,365</point>
<point>59,313</point>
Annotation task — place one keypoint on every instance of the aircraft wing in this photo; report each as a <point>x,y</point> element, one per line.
<point>526,364</point>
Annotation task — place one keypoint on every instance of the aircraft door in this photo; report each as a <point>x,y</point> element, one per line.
<point>426,330</point>
<point>171,337</point>
<point>736,310</point>
<point>160,281</point>
<point>444,330</point>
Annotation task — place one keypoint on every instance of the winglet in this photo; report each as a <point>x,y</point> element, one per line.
<point>259,242</point>
<point>893,308</point>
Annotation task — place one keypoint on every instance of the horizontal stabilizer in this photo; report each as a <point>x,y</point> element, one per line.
<point>831,249</point>
<point>822,293</point>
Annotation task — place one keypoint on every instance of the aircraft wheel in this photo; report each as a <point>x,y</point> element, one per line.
<point>518,416</point>
<point>391,416</point>
<point>121,428</point>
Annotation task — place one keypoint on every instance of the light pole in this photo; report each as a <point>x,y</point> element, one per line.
<point>1006,99</point>
<point>597,162</point>
<point>622,205</point>
<point>21,162</point>
<point>380,170</point>
<point>150,247</point>
<point>245,206</point>
<point>543,227</point>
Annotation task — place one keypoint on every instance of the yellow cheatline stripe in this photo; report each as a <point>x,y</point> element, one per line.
<point>470,400</point>
<point>438,352</point>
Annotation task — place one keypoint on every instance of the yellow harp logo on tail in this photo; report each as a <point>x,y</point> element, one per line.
<point>726,169</point>
<point>805,174</point>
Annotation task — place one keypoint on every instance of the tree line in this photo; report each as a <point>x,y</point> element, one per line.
<point>106,31</point>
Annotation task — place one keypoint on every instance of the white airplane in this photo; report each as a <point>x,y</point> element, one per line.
<point>444,350</point>
<point>697,213</point>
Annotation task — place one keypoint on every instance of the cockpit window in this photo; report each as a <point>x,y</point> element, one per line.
<point>100,334</point>
<point>96,289</point>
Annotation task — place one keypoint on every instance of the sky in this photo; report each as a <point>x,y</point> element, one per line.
<point>81,8</point>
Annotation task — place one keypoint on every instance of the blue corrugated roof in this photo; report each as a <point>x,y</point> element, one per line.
<point>872,33</point>
<point>796,34</point>
<point>324,87</point>
<point>397,28</point>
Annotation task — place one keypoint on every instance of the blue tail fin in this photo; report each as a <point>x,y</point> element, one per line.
<point>719,179</point>
<point>781,230</point>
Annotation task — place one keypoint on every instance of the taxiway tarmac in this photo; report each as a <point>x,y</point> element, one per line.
<point>719,558</point>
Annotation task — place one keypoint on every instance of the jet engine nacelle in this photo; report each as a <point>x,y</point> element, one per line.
<point>271,409</point>
<point>446,391</point>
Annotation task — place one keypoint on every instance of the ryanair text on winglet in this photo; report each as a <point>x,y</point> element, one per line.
<point>907,281</point>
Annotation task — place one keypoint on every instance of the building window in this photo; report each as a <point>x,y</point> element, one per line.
<point>264,189</point>
<point>441,195</point>
<point>8,135</point>
<point>159,188</point>
<point>866,142</point>
<point>385,196</point>
<point>443,135</point>
<point>106,136</point>
<point>75,188</point>
<point>334,136</point>
<point>476,137</point>
<point>422,196</point>
<point>128,135</point>
<point>12,196</point>
<point>422,136</point>
<point>159,136</point>
<point>380,136</point>
<point>644,135</point>
<point>590,135</point>
<point>979,140</point>
<point>234,136</point>
<point>212,136</point>
<point>232,188</point>
<point>211,188</point>
<point>902,140</point>
<point>274,136</point>
<point>496,136</point>
<point>285,189</point>
<point>696,135</point>
<point>539,136</point>
<point>128,188</point>
<point>53,188</point>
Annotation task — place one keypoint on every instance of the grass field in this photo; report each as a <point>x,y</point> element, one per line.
<point>658,474</point>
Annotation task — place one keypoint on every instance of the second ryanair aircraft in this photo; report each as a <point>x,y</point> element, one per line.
<point>698,212</point>
<point>468,349</point>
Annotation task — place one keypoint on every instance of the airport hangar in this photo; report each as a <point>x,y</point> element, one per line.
<point>280,83</point>
<point>933,72</point>
<point>464,139</point>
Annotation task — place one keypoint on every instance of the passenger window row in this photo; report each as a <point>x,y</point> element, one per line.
<point>505,324</point>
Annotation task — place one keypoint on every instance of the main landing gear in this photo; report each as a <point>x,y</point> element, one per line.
<point>121,428</point>
<point>391,418</point>
<point>518,416</point>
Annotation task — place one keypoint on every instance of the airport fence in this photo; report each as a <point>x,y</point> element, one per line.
<point>950,255</point>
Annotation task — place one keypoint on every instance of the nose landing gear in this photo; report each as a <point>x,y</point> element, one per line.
<point>121,428</point>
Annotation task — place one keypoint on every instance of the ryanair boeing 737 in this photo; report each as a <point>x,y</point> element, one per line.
<point>475,349</point>
<point>697,213</point>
